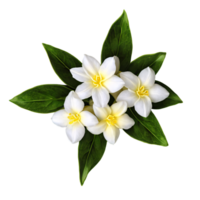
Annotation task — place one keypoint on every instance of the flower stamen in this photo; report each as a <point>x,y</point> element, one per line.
<point>97,81</point>
<point>141,91</point>
<point>73,118</point>
<point>111,120</point>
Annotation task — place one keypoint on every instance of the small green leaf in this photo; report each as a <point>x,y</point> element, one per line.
<point>62,62</point>
<point>42,98</point>
<point>119,42</point>
<point>171,100</point>
<point>146,129</point>
<point>150,60</point>
<point>90,151</point>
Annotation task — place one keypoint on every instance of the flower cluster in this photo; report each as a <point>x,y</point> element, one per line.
<point>98,81</point>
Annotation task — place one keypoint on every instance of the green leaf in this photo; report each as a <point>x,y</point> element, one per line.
<point>62,62</point>
<point>150,60</point>
<point>90,151</point>
<point>146,129</point>
<point>42,98</point>
<point>119,42</point>
<point>171,100</point>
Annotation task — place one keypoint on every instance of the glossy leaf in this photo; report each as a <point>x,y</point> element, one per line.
<point>146,129</point>
<point>62,62</point>
<point>90,151</point>
<point>171,100</point>
<point>150,60</point>
<point>42,98</point>
<point>119,42</point>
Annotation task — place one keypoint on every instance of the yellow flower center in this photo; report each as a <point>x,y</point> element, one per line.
<point>111,120</point>
<point>141,91</point>
<point>97,81</point>
<point>73,118</point>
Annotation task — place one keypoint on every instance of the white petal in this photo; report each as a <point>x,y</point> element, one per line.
<point>119,108</point>
<point>125,122</point>
<point>128,96</point>
<point>147,77</point>
<point>79,74</point>
<point>108,68</point>
<point>75,132</point>
<point>101,113</point>
<point>67,103</point>
<point>114,84</point>
<point>111,134</point>
<point>98,129</point>
<point>158,93</point>
<point>132,82</point>
<point>90,65</point>
<point>84,90</point>
<point>143,106</point>
<point>100,96</point>
<point>77,104</point>
<point>88,119</point>
<point>117,64</point>
<point>60,118</point>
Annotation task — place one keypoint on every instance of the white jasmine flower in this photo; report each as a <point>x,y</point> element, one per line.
<point>142,91</point>
<point>111,120</point>
<point>98,81</point>
<point>73,118</point>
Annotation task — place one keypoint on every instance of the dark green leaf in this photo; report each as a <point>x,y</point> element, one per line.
<point>62,62</point>
<point>146,129</point>
<point>150,60</point>
<point>90,151</point>
<point>119,42</point>
<point>42,98</point>
<point>171,100</point>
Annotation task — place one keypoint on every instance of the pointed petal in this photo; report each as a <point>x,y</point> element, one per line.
<point>132,82</point>
<point>119,108</point>
<point>147,77</point>
<point>75,132</point>
<point>102,113</point>
<point>125,122</point>
<point>114,84</point>
<point>67,103</point>
<point>143,106</point>
<point>158,93</point>
<point>128,96</point>
<point>60,118</point>
<point>117,64</point>
<point>98,129</point>
<point>100,96</point>
<point>84,90</point>
<point>77,104</point>
<point>91,66</point>
<point>79,74</point>
<point>108,68</point>
<point>88,119</point>
<point>111,134</point>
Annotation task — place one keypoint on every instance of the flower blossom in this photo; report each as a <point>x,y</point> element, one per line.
<point>142,91</point>
<point>111,120</point>
<point>74,117</point>
<point>98,81</point>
